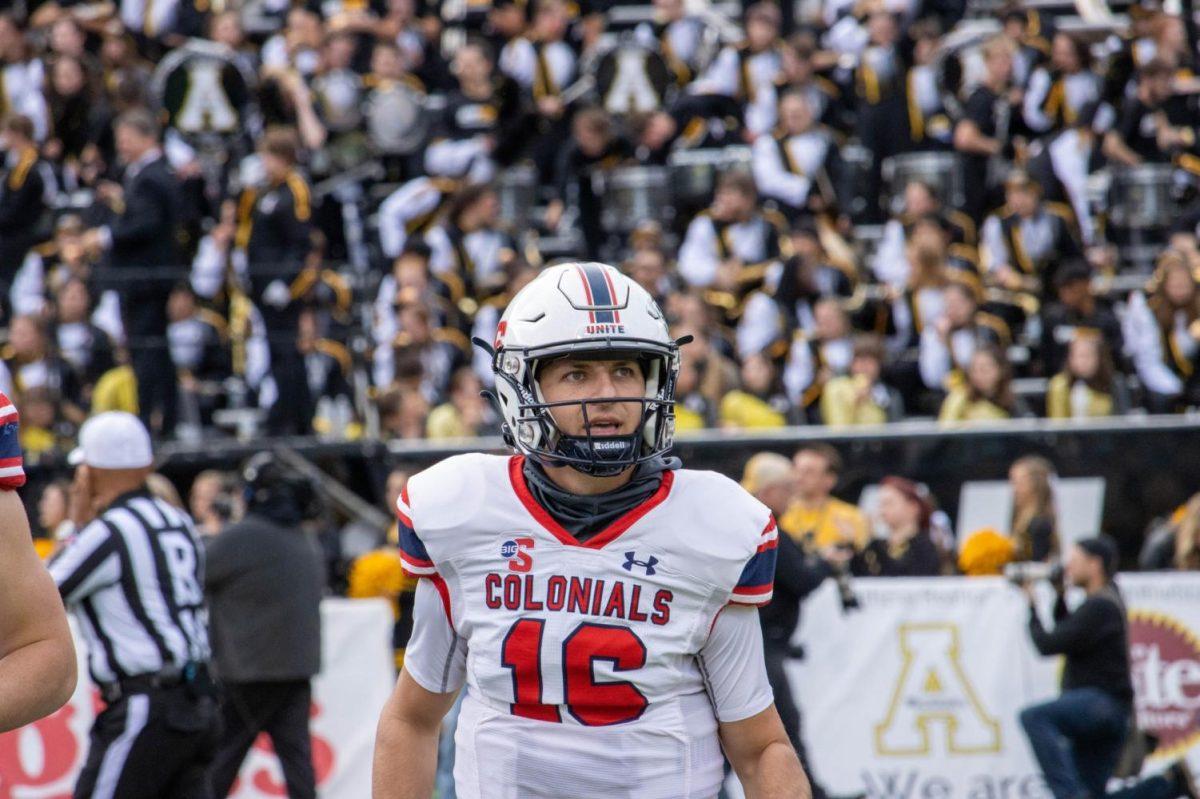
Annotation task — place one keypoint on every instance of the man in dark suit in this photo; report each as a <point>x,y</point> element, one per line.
<point>142,235</point>
<point>23,195</point>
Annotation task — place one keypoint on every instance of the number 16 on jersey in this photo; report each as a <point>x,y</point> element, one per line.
<point>591,703</point>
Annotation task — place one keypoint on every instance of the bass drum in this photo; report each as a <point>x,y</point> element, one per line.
<point>632,79</point>
<point>204,90</point>
<point>1143,197</point>
<point>397,122</point>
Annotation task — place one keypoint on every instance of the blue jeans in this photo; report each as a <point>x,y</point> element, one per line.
<point>1077,740</point>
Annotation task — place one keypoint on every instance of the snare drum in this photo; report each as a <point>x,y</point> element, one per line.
<point>694,176</point>
<point>738,158</point>
<point>633,195</point>
<point>694,173</point>
<point>1142,198</point>
<point>939,170</point>
<point>517,191</point>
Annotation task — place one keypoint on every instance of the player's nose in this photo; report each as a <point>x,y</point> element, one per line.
<point>606,387</point>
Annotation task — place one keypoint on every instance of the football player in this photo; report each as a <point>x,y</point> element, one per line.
<point>37,657</point>
<point>597,601</point>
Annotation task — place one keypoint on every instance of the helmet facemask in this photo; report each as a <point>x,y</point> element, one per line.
<point>539,435</point>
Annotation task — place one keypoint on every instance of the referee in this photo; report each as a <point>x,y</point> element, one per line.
<point>134,577</point>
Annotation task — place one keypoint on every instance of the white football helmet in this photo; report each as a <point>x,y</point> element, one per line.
<point>591,309</point>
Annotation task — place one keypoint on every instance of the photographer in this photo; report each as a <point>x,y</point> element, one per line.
<point>1077,738</point>
<point>264,581</point>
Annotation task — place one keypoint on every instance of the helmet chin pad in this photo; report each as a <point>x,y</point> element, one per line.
<point>599,456</point>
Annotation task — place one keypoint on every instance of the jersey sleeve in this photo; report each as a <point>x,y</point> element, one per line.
<point>757,580</point>
<point>413,555</point>
<point>12,469</point>
<point>733,665</point>
<point>436,656</point>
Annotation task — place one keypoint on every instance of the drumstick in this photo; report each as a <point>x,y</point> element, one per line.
<point>825,185</point>
<point>578,89</point>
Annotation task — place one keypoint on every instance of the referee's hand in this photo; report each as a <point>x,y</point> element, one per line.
<point>79,498</point>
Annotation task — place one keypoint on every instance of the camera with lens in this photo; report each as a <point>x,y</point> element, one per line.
<point>1021,574</point>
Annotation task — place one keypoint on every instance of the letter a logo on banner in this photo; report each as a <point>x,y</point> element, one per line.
<point>933,689</point>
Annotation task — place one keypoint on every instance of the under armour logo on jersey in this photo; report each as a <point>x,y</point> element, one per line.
<point>631,561</point>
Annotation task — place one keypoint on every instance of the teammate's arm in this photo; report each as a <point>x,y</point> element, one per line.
<point>763,758</point>
<point>37,657</point>
<point>752,735</point>
<point>406,741</point>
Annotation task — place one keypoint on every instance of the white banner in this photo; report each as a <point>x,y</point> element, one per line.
<point>42,760</point>
<point>916,694</point>
<point>913,696</point>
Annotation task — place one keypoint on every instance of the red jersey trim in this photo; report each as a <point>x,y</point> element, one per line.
<point>401,515</point>
<point>608,534</point>
<point>444,592</point>
<point>753,590</point>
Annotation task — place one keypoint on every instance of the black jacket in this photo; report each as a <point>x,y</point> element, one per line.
<point>796,576</point>
<point>22,203</point>
<point>145,234</point>
<point>1059,324</point>
<point>275,224</point>
<point>918,558</point>
<point>264,584</point>
<point>1095,640</point>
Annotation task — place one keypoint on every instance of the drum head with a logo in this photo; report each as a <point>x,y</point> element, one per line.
<point>633,79</point>
<point>396,120</point>
<point>339,96</point>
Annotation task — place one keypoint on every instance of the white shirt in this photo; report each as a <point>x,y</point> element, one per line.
<point>1069,156</point>
<point>801,368</point>
<point>724,76</point>
<point>414,199</point>
<point>776,179</point>
<point>1079,89</point>
<point>683,37</point>
<point>151,17</point>
<point>22,84</point>
<point>1143,342</point>
<point>519,60</point>
<point>700,253</point>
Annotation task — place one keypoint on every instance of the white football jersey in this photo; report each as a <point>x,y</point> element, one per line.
<point>582,670</point>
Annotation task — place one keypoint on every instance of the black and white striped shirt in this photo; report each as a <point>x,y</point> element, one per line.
<point>134,578</point>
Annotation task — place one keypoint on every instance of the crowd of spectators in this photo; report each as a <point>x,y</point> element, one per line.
<point>897,527</point>
<point>293,217</point>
